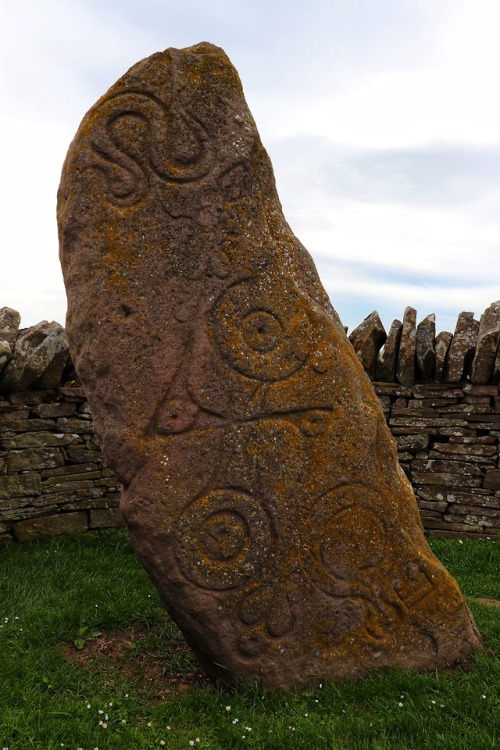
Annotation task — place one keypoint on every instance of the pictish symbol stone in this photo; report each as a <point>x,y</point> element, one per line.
<point>261,487</point>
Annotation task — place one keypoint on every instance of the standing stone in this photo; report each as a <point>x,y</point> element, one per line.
<point>487,345</point>
<point>425,351</point>
<point>441,347</point>
<point>261,486</point>
<point>405,369</point>
<point>388,357</point>
<point>367,339</point>
<point>462,348</point>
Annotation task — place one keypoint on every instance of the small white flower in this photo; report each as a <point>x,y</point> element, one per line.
<point>88,705</point>
<point>162,743</point>
<point>484,697</point>
<point>235,721</point>
<point>400,705</point>
<point>433,703</point>
<point>104,725</point>
<point>100,712</point>
<point>124,721</point>
<point>228,708</point>
<point>168,727</point>
<point>191,742</point>
<point>110,704</point>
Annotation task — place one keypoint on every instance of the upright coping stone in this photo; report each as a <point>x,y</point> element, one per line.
<point>261,488</point>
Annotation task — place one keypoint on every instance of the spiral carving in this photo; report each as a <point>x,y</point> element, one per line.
<point>223,539</point>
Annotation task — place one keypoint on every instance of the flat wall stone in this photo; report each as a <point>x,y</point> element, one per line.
<point>54,525</point>
<point>53,479</point>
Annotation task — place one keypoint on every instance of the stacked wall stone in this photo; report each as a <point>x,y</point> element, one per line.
<point>53,479</point>
<point>448,440</point>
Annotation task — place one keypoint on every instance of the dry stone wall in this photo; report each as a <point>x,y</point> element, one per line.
<point>53,479</point>
<point>448,438</point>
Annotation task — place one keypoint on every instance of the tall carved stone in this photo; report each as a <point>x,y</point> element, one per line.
<point>261,487</point>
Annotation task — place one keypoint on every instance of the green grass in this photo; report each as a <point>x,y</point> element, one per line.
<point>51,694</point>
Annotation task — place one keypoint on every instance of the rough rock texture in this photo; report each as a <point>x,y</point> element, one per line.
<point>9,328</point>
<point>487,344</point>
<point>40,355</point>
<point>367,339</point>
<point>462,348</point>
<point>441,347</point>
<point>405,369</point>
<point>261,487</point>
<point>425,351</point>
<point>388,356</point>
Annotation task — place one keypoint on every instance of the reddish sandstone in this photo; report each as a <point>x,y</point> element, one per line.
<point>261,487</point>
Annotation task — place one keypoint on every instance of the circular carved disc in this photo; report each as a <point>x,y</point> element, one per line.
<point>223,539</point>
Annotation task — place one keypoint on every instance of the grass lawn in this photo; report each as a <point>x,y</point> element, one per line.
<point>88,661</point>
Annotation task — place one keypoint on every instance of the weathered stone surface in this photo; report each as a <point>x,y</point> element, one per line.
<point>36,439</point>
<point>487,344</point>
<point>9,329</point>
<point>39,357</point>
<point>105,518</point>
<point>495,377</point>
<point>20,485</point>
<point>425,351</point>
<point>59,409</point>
<point>32,459</point>
<point>261,486</point>
<point>462,348</point>
<point>388,356</point>
<point>441,347</point>
<point>367,339</point>
<point>405,368</point>
<point>46,526</point>
<point>492,480</point>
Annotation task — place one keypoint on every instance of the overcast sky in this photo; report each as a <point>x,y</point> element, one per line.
<point>381,117</point>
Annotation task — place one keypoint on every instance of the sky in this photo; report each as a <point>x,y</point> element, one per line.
<point>381,118</point>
